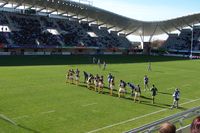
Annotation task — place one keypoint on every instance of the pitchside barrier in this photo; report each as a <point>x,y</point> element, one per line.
<point>177,119</point>
<point>5,53</point>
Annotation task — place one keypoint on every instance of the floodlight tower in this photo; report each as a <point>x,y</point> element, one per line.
<point>192,40</point>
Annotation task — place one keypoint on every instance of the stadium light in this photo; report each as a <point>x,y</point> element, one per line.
<point>192,39</point>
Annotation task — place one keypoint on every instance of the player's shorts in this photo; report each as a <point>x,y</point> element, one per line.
<point>122,90</point>
<point>176,99</point>
<point>77,78</point>
<point>137,94</point>
<point>112,87</point>
<point>100,85</point>
<point>95,83</point>
<point>88,82</point>
<point>71,77</point>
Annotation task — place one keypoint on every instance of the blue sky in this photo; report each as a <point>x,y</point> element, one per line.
<point>150,10</point>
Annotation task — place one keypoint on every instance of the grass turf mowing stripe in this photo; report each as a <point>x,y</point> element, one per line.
<point>136,118</point>
<point>86,105</point>
<point>48,112</point>
<point>21,117</point>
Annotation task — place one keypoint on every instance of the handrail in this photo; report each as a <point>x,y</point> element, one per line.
<point>177,118</point>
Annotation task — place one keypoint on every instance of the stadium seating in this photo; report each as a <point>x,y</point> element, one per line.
<point>183,40</point>
<point>31,31</point>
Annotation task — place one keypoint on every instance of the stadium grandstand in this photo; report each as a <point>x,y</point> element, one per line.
<point>65,27</point>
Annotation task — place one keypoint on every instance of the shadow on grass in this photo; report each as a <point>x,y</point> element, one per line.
<point>156,104</point>
<point>80,59</point>
<point>165,93</point>
<point>28,129</point>
<point>148,98</point>
<point>143,99</point>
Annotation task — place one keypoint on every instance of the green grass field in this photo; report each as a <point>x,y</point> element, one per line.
<point>34,95</point>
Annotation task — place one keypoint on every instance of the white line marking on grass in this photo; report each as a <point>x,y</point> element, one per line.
<point>21,117</point>
<point>136,118</point>
<point>8,119</point>
<point>172,88</point>
<point>186,99</point>
<point>186,85</point>
<point>123,122</point>
<point>48,112</point>
<point>190,101</point>
<point>86,105</point>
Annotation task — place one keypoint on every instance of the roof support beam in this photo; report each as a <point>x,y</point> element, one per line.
<point>31,7</point>
<point>52,11</point>
<point>41,9</point>
<point>62,13</point>
<point>133,31</point>
<point>121,30</point>
<point>101,24</point>
<point>190,25</point>
<point>72,16</point>
<point>18,5</point>
<point>153,33</point>
<point>82,18</point>
<point>164,30</point>
<point>142,34</point>
<point>176,27</point>
<point>187,23</point>
<point>3,4</point>
<point>110,27</point>
<point>91,21</point>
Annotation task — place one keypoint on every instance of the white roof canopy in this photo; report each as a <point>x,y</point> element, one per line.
<point>128,25</point>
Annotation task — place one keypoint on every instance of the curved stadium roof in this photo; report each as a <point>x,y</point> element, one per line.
<point>128,25</point>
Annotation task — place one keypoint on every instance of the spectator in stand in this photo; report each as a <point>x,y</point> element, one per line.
<point>195,126</point>
<point>167,128</point>
<point>146,82</point>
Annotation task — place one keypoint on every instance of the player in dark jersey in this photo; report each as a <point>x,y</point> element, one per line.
<point>122,90</point>
<point>71,76</point>
<point>112,85</point>
<point>85,76</point>
<point>146,82</point>
<point>109,79</point>
<point>77,76</point>
<point>90,81</point>
<point>137,93</point>
<point>101,84</point>
<point>96,82</point>
<point>153,93</point>
<point>132,86</point>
